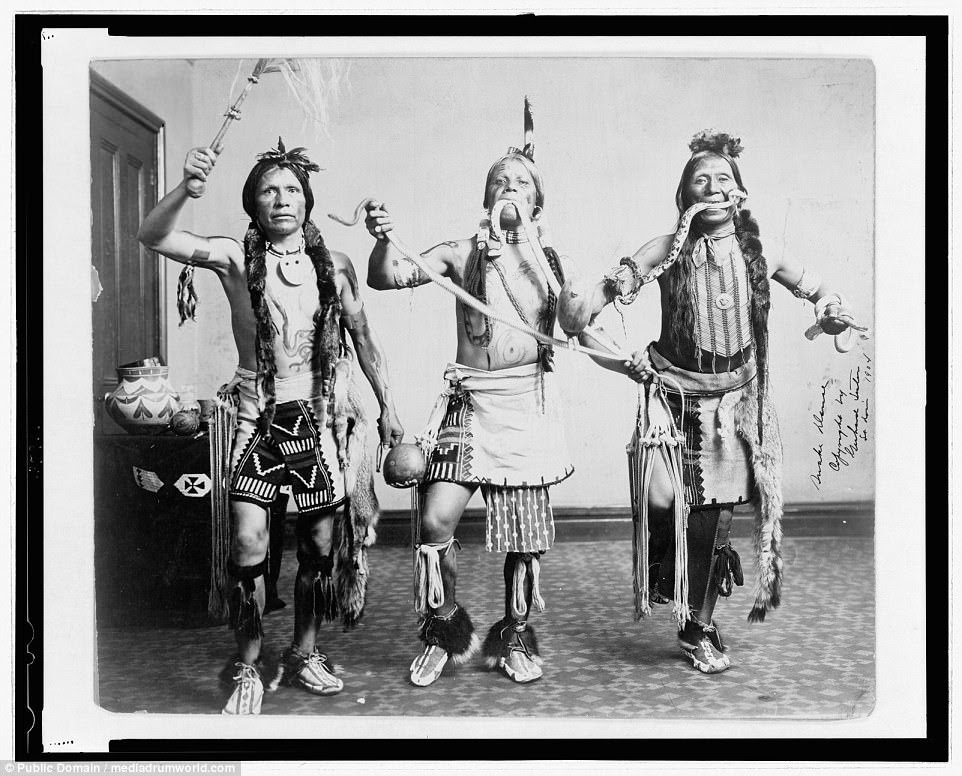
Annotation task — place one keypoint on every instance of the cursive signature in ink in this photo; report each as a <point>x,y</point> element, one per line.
<point>838,455</point>
<point>816,478</point>
<point>818,418</point>
<point>854,383</point>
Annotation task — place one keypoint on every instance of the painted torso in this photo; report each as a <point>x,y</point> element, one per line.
<point>291,291</point>
<point>513,282</point>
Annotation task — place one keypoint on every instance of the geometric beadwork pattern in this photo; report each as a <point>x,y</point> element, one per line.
<point>147,479</point>
<point>812,658</point>
<point>193,485</point>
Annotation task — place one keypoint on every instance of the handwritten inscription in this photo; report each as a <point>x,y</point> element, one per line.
<point>841,422</point>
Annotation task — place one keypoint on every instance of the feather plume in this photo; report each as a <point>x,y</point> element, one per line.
<point>317,85</point>
<point>528,148</point>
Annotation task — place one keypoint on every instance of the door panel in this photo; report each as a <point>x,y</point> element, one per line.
<point>128,316</point>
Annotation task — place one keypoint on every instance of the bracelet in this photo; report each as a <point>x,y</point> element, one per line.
<point>825,301</point>
<point>625,288</point>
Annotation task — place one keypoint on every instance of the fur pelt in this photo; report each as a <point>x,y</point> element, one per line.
<point>500,635</point>
<point>454,635</point>
<point>767,468</point>
<point>354,527</point>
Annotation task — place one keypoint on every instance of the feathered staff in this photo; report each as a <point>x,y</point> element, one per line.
<point>186,296</point>
<point>315,85</point>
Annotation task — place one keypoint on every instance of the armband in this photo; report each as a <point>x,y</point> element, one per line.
<point>407,274</point>
<point>807,285</point>
<point>624,281</point>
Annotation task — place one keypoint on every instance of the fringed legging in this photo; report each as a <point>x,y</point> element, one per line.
<point>315,600</point>
<point>246,606</point>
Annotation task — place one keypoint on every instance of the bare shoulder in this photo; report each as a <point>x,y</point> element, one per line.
<point>225,251</point>
<point>345,276</point>
<point>450,256</point>
<point>341,261</point>
<point>451,250</point>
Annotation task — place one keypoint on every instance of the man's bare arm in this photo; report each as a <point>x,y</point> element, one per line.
<point>832,314</point>
<point>370,354</point>
<point>388,268</point>
<point>582,300</point>
<point>159,230</point>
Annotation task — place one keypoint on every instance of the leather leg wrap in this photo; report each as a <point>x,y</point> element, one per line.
<point>323,597</point>
<point>703,527</point>
<point>245,615</point>
<point>454,634</point>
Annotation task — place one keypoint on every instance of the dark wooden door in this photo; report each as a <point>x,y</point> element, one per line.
<point>128,320</point>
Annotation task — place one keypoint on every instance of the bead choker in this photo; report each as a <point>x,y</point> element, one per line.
<point>272,250</point>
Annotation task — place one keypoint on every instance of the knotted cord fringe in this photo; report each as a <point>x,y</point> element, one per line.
<point>428,585</point>
<point>221,432</point>
<point>186,296</point>
<point>658,437</point>
<point>527,562</point>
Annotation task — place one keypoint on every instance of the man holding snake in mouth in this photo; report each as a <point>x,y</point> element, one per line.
<point>707,436</point>
<point>497,425</point>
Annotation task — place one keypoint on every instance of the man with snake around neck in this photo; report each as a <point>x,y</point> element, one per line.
<point>496,427</point>
<point>299,422</point>
<point>707,436</point>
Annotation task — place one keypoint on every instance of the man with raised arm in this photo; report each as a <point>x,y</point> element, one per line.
<point>708,436</point>
<point>299,421</point>
<point>496,427</point>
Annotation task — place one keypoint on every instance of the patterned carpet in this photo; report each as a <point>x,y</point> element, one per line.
<point>813,658</point>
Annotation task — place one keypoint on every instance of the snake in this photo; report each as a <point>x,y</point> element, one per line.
<point>681,233</point>
<point>844,341</point>
<point>614,352</point>
<point>463,296</point>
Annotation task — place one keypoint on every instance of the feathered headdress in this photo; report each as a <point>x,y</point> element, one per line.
<point>294,160</point>
<point>295,157</point>
<point>716,142</point>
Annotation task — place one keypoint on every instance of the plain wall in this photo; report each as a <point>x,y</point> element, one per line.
<point>611,140</point>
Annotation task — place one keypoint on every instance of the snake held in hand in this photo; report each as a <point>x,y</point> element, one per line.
<point>466,298</point>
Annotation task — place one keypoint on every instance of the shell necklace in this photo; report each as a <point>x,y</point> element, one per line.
<point>294,266</point>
